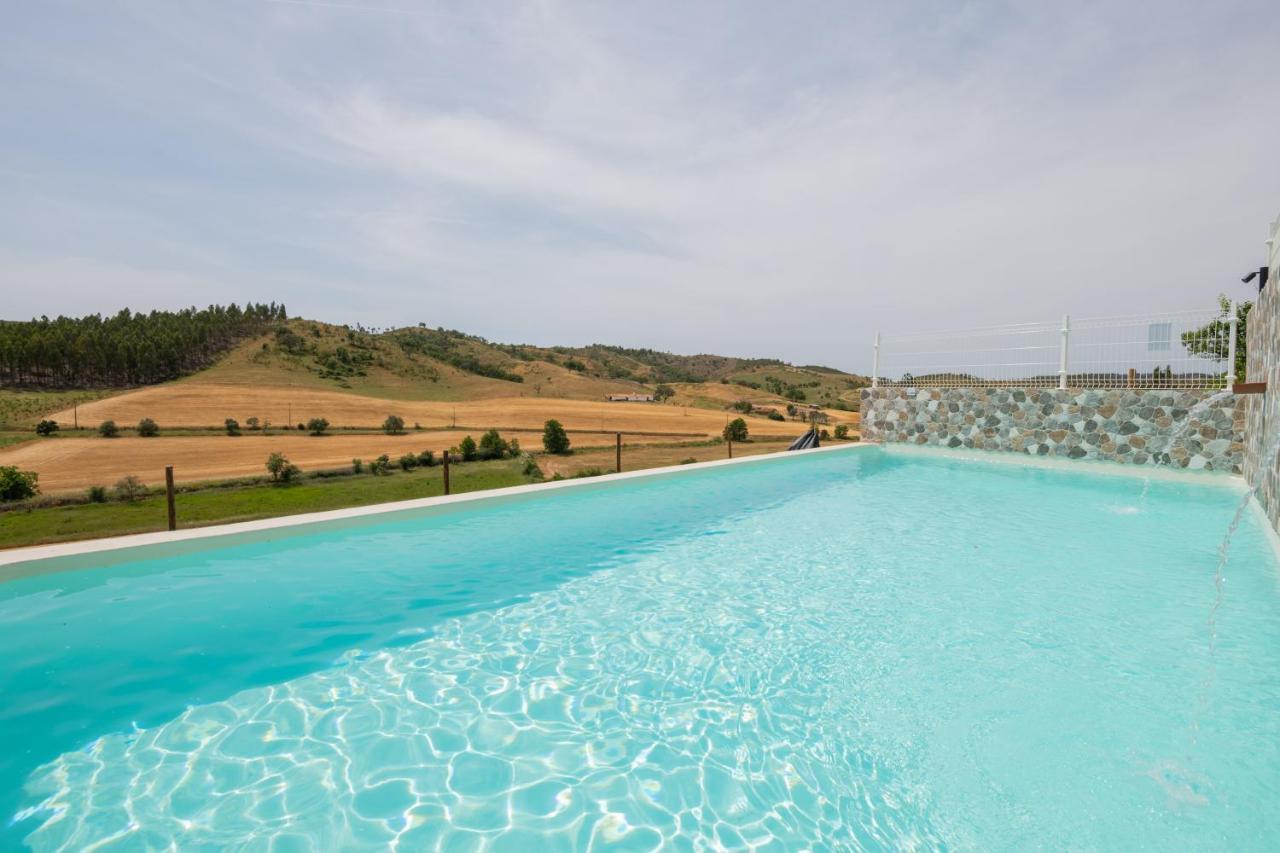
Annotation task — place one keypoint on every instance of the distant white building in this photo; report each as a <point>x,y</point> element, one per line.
<point>629,398</point>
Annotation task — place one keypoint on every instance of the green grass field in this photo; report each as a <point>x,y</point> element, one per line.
<point>223,505</point>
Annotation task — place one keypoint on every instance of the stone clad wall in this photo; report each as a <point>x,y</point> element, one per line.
<point>1128,426</point>
<point>1263,410</point>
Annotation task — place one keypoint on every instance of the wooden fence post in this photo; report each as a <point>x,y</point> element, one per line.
<point>168,492</point>
<point>618,466</point>
<point>445,457</point>
<point>730,441</point>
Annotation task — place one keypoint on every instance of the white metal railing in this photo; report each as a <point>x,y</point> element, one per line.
<point>1178,349</point>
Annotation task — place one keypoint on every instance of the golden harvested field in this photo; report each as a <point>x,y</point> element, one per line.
<point>66,464</point>
<point>191,404</point>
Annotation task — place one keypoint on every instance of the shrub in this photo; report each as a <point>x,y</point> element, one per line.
<point>735,430</point>
<point>408,462</point>
<point>17,485</point>
<point>663,392</point>
<point>148,428</point>
<point>97,494</point>
<point>129,488</point>
<point>251,423</point>
<point>554,438</point>
<point>531,469</point>
<point>467,447</point>
<point>492,446</point>
<point>282,470</point>
<point>301,426</point>
<point>381,465</point>
<point>417,425</point>
<point>46,427</point>
<point>427,458</point>
<point>232,425</point>
<point>513,448</point>
<point>357,466</point>
<point>823,434</point>
<point>393,425</point>
<point>317,426</point>
<point>743,406</point>
<point>108,429</point>
<point>593,471</point>
<point>575,365</point>
<point>776,416</point>
<point>842,431</point>
<point>688,461</point>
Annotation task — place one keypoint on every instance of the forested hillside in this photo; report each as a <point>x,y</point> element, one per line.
<point>127,348</point>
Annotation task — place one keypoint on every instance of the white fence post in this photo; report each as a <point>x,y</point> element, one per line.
<point>1062,358</point>
<point>875,365</point>
<point>1231,347</point>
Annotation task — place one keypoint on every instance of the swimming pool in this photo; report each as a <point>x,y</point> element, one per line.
<point>855,648</point>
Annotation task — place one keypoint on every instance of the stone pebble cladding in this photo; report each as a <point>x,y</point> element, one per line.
<point>1263,410</point>
<point>1128,426</point>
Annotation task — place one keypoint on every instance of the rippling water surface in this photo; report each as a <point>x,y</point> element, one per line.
<point>845,650</point>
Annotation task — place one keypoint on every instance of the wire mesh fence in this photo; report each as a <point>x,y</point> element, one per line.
<point>1180,349</point>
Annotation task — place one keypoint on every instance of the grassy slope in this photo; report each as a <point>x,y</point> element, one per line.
<point>220,506</point>
<point>24,408</point>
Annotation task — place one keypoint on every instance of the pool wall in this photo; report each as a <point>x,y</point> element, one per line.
<point>1129,426</point>
<point>1262,411</point>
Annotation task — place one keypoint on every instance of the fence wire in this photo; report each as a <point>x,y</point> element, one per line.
<point>1182,349</point>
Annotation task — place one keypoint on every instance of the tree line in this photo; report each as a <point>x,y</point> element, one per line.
<point>127,348</point>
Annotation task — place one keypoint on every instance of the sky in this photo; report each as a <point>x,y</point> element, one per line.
<point>744,178</point>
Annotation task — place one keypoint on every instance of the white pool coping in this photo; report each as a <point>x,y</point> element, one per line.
<point>15,557</point>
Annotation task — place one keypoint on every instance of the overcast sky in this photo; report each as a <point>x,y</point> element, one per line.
<point>744,178</point>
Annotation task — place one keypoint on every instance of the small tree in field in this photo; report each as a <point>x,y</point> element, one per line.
<point>46,427</point>
<point>554,438</point>
<point>492,445</point>
<point>130,488</point>
<point>408,462</point>
<point>232,425</point>
<point>467,447</point>
<point>842,431</point>
<point>281,469</point>
<point>17,485</point>
<point>108,429</point>
<point>148,428</point>
<point>317,426</point>
<point>735,430</point>
<point>393,425</point>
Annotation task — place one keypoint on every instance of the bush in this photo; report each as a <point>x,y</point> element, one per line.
<point>842,431</point>
<point>735,430</point>
<point>17,485</point>
<point>689,460</point>
<point>592,471</point>
<point>232,425</point>
<point>776,416</point>
<point>357,466</point>
<point>148,428</point>
<point>417,425</point>
<point>427,458</point>
<point>46,427</point>
<point>554,438</point>
<point>663,392</point>
<point>97,494</point>
<point>129,488</point>
<point>251,423</point>
<point>381,465</point>
<point>743,406</point>
<point>108,429</point>
<point>301,426</point>
<point>513,448</point>
<point>317,426</point>
<point>282,470</point>
<point>823,434</point>
<point>393,425</point>
<point>467,447</point>
<point>531,469</point>
<point>408,462</point>
<point>492,446</point>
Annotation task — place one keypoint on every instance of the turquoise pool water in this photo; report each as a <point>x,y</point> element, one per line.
<point>843,650</point>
